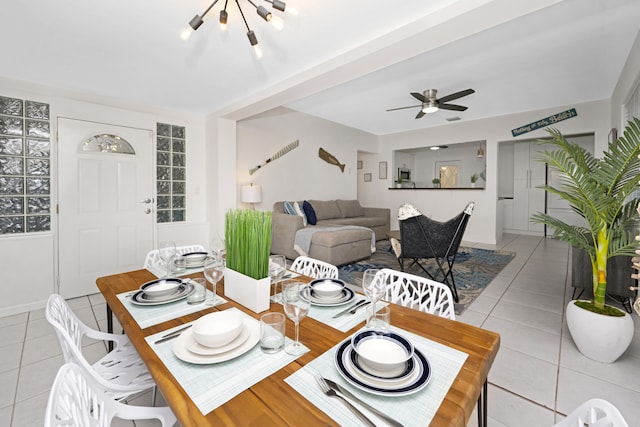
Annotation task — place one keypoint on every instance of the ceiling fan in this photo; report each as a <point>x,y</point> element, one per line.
<point>431,104</point>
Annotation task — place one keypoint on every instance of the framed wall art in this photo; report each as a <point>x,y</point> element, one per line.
<point>367,177</point>
<point>382,170</point>
<point>359,164</point>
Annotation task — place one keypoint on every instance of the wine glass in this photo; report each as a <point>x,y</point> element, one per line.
<point>373,287</point>
<point>277,268</point>
<point>218,249</point>
<point>213,272</point>
<point>166,251</point>
<point>296,308</point>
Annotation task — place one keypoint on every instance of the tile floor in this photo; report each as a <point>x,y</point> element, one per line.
<point>537,377</point>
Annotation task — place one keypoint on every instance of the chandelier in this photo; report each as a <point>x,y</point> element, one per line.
<point>262,11</point>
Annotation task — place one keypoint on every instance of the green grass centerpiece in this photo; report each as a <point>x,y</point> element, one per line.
<point>248,246</point>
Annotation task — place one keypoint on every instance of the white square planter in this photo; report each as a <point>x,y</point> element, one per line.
<point>252,293</point>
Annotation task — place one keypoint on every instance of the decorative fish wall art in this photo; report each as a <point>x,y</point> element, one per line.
<point>330,158</point>
<point>279,154</point>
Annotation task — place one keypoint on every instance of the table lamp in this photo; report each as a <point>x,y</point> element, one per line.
<point>251,193</point>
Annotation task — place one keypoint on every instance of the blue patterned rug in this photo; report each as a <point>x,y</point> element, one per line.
<point>473,270</point>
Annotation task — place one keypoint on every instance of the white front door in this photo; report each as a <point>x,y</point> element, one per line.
<point>106,209</point>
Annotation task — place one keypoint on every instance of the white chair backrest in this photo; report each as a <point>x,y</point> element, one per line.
<point>75,400</point>
<point>154,263</point>
<point>418,293</point>
<point>594,413</point>
<point>314,268</point>
<point>120,373</point>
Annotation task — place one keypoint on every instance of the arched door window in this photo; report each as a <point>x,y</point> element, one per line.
<point>106,143</point>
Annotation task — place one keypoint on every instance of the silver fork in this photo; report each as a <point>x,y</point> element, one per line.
<point>331,392</point>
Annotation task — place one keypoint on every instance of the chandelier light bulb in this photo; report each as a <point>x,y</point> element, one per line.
<point>186,33</point>
<point>223,20</point>
<point>277,23</point>
<point>257,51</point>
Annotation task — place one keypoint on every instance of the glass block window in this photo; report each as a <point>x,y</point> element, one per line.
<point>171,176</point>
<point>25,166</point>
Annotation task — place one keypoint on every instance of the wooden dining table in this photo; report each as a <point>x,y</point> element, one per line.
<point>272,401</point>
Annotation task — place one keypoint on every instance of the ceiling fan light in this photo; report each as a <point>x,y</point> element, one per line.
<point>430,107</point>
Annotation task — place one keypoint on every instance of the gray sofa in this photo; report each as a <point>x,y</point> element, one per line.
<point>337,245</point>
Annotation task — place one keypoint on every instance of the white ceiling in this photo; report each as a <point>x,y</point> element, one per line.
<point>346,61</point>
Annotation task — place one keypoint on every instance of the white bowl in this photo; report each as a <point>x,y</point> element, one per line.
<point>327,288</point>
<point>380,352</point>
<point>218,329</point>
<point>194,258</point>
<point>160,288</point>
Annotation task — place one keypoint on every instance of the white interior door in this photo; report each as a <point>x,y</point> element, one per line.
<point>106,209</point>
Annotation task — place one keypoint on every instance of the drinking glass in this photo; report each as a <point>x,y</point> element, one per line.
<point>373,287</point>
<point>296,308</point>
<point>213,271</point>
<point>167,251</point>
<point>277,268</point>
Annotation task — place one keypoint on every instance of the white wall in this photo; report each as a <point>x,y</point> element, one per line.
<point>443,204</point>
<point>629,79</point>
<point>300,174</point>
<point>28,280</point>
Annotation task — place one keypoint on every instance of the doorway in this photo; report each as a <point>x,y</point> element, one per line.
<point>106,202</point>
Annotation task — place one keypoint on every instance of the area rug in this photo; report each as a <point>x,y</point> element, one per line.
<point>473,270</point>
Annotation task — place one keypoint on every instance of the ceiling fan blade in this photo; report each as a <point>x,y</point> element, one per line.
<point>456,95</point>
<point>452,107</point>
<point>420,114</point>
<point>420,97</point>
<point>404,108</point>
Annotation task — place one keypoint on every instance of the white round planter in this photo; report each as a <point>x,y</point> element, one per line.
<point>599,337</point>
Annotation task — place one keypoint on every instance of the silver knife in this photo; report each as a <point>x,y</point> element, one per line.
<point>346,310</point>
<point>347,393</point>
<point>172,335</point>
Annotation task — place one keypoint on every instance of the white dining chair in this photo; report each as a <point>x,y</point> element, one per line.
<point>594,413</point>
<point>314,268</point>
<point>154,263</point>
<point>120,373</point>
<point>418,293</point>
<point>76,400</point>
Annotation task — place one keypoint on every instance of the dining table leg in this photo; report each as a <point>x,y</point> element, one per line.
<point>109,325</point>
<point>482,406</point>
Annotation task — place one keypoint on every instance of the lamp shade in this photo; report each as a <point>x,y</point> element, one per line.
<point>251,193</point>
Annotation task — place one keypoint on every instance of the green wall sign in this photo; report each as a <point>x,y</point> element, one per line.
<point>545,122</point>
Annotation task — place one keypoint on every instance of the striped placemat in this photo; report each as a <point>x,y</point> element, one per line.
<point>210,386</point>
<point>148,315</point>
<point>415,409</point>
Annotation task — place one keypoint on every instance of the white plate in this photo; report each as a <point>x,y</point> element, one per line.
<point>347,295</point>
<point>184,291</point>
<point>193,260</point>
<point>413,383</point>
<point>195,347</point>
<point>181,351</point>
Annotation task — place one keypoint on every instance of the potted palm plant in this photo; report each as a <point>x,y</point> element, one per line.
<point>599,190</point>
<point>248,245</point>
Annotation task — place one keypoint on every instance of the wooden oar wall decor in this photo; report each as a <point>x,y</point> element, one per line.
<point>279,154</point>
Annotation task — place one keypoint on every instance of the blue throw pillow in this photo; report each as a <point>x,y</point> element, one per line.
<point>289,209</point>
<point>310,213</point>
